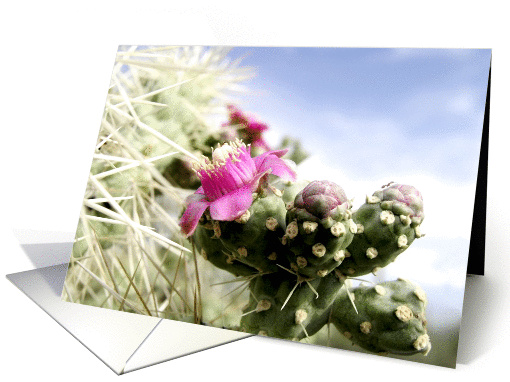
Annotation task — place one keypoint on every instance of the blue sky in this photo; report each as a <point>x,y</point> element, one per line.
<point>423,107</point>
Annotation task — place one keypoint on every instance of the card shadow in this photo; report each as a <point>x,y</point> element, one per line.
<point>38,254</point>
<point>474,338</point>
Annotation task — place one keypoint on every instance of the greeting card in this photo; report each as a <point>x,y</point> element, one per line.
<point>318,195</point>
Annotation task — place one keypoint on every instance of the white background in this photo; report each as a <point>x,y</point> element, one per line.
<point>56,59</point>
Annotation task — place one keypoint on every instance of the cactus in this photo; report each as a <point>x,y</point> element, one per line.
<point>283,307</point>
<point>319,229</point>
<point>251,245</point>
<point>300,243</point>
<point>213,250</point>
<point>390,317</point>
<point>387,224</point>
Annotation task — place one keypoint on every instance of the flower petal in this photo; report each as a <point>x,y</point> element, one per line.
<point>277,166</point>
<point>279,153</point>
<point>255,125</point>
<point>229,207</point>
<point>196,207</point>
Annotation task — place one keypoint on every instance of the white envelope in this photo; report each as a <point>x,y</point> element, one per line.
<point>123,341</point>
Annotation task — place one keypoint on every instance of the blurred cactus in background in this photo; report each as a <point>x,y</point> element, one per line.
<point>164,109</point>
<point>185,191</point>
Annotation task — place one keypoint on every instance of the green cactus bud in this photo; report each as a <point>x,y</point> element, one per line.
<point>387,225</point>
<point>319,198</point>
<point>297,308</point>
<point>254,239</point>
<point>319,228</point>
<point>404,199</point>
<point>390,318</point>
<point>211,249</point>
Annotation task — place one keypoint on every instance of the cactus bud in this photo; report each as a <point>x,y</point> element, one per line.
<point>408,197</point>
<point>319,198</point>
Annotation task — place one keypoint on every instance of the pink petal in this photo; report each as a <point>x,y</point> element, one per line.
<point>277,166</point>
<point>258,160</point>
<point>232,205</point>
<point>255,125</point>
<point>196,207</point>
<point>197,196</point>
<point>279,153</point>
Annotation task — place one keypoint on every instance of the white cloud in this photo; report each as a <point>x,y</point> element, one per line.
<point>463,103</point>
<point>368,145</point>
<point>426,267</point>
<point>428,103</point>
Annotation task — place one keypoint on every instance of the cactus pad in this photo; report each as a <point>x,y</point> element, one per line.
<point>387,224</point>
<point>390,318</point>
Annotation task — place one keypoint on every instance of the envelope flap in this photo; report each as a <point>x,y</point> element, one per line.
<point>172,339</point>
<point>112,336</point>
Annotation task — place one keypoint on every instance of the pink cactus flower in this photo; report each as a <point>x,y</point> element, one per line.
<point>406,194</point>
<point>228,182</point>
<point>253,128</point>
<point>320,198</point>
